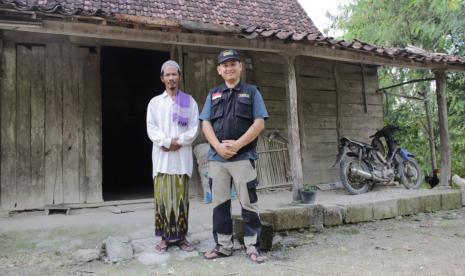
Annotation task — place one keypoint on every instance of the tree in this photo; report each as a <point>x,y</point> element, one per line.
<point>435,25</point>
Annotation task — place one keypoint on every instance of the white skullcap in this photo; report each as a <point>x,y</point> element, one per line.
<point>170,63</point>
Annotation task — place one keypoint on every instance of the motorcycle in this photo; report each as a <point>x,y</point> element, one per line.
<point>364,165</point>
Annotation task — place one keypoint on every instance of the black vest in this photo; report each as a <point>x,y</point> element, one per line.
<point>232,112</point>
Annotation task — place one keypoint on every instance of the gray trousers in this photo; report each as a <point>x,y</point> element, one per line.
<point>244,176</point>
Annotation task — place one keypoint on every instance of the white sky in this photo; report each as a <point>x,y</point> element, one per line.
<point>317,9</point>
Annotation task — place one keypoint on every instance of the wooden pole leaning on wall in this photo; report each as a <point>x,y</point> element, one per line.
<point>446,163</point>
<point>295,156</point>
<point>431,137</point>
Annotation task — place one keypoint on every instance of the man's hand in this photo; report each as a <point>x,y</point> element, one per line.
<point>224,152</point>
<point>232,145</point>
<point>174,146</point>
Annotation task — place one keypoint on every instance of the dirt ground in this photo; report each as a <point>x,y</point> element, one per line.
<point>425,244</point>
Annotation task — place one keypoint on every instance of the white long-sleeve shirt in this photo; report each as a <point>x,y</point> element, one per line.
<point>161,129</point>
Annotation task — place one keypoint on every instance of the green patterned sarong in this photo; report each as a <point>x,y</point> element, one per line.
<point>171,196</point>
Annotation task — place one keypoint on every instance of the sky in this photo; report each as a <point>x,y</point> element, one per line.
<point>317,9</point>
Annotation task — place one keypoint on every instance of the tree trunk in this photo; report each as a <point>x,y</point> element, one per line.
<point>443,127</point>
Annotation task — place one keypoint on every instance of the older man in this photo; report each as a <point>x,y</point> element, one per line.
<point>172,125</point>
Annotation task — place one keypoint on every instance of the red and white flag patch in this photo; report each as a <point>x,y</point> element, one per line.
<point>216,95</point>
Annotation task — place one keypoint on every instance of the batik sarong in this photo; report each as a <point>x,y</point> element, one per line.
<point>171,206</point>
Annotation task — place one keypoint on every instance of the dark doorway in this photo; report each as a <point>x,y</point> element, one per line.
<point>130,78</point>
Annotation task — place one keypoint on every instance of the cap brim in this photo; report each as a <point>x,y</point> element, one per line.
<point>229,58</point>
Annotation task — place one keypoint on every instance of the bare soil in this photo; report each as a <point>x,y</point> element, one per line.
<point>425,244</point>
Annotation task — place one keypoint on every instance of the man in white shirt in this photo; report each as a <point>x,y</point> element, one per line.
<point>172,125</point>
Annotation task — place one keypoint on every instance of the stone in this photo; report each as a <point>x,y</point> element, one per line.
<point>451,200</point>
<point>267,216</point>
<point>266,236</point>
<point>460,182</point>
<point>152,258</point>
<point>86,255</point>
<point>316,215</point>
<point>409,205</point>
<point>118,249</point>
<point>463,197</point>
<point>4,214</point>
<point>333,215</point>
<point>359,212</point>
<point>430,203</point>
<point>292,218</point>
<point>144,244</point>
<point>385,209</point>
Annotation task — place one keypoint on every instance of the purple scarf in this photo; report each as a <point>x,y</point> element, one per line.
<point>181,111</point>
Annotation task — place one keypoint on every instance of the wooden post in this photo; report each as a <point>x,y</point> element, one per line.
<point>293,126</point>
<point>440,77</point>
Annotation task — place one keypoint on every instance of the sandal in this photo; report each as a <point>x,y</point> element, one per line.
<point>217,252</point>
<point>255,256</point>
<point>185,246</point>
<point>161,247</point>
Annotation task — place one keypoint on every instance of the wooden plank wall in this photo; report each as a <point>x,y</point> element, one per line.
<point>268,74</point>
<point>321,112</point>
<point>51,125</point>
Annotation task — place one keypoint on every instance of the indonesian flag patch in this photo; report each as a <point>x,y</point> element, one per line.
<point>216,95</point>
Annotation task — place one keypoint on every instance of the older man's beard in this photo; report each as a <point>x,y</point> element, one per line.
<point>172,85</point>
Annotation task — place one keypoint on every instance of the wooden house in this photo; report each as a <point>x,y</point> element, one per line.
<point>76,77</point>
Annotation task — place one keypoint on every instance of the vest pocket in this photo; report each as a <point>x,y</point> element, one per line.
<point>216,109</point>
<point>244,108</point>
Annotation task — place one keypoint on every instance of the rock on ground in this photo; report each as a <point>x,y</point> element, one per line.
<point>118,249</point>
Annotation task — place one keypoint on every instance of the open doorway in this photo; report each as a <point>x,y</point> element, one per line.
<point>130,78</point>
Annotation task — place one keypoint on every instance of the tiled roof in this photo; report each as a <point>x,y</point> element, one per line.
<point>408,53</point>
<point>284,20</point>
<point>270,14</point>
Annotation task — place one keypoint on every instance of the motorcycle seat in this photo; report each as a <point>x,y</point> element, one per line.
<point>361,144</point>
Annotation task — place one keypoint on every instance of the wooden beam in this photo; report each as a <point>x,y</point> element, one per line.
<point>440,77</point>
<point>295,156</point>
<point>338,101</point>
<point>223,41</point>
<point>404,83</point>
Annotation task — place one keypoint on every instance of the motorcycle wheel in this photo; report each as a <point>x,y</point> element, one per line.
<point>410,174</point>
<point>354,184</point>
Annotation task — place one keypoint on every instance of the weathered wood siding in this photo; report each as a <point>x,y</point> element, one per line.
<point>318,106</point>
<point>327,101</point>
<point>50,125</point>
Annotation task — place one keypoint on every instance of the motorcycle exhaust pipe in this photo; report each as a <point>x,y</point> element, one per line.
<point>365,174</point>
<point>361,173</point>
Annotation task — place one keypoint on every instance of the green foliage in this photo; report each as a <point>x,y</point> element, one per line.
<point>308,188</point>
<point>435,25</point>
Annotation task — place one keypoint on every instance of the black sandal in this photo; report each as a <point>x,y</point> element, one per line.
<point>217,252</point>
<point>255,256</point>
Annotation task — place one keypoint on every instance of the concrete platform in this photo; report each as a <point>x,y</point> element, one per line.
<point>336,207</point>
<point>331,208</point>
